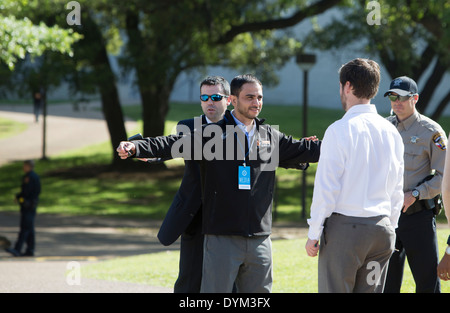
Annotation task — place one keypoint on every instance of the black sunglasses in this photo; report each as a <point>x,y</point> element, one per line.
<point>215,97</point>
<point>394,98</point>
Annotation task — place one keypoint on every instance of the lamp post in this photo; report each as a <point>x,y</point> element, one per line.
<point>305,62</point>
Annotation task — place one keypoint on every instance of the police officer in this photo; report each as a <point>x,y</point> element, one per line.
<point>425,145</point>
<point>28,200</point>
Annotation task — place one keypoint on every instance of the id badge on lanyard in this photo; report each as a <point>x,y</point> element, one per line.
<point>244,178</point>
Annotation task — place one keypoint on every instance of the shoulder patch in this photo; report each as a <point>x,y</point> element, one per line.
<point>439,141</point>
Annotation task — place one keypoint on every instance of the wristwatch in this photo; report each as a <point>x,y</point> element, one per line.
<point>415,193</point>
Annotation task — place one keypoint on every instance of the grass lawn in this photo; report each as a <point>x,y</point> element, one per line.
<point>294,271</point>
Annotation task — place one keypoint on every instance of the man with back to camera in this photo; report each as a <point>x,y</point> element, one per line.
<point>237,191</point>
<point>425,144</point>
<point>358,189</point>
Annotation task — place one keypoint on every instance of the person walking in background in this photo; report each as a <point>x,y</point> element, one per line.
<point>425,144</point>
<point>28,199</point>
<point>37,104</point>
<point>358,189</point>
<point>443,269</point>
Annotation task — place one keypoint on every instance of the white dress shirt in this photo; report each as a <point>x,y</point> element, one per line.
<point>360,170</point>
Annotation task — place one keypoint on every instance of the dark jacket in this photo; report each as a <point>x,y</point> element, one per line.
<point>184,214</point>
<point>30,189</point>
<point>187,202</point>
<point>226,209</point>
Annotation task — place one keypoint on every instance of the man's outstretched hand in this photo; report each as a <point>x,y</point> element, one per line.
<point>126,149</point>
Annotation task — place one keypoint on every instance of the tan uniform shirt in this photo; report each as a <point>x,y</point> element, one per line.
<point>425,145</point>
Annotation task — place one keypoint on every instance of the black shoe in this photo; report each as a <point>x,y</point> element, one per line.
<point>27,254</point>
<point>13,251</point>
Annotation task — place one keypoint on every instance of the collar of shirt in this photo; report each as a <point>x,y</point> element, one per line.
<point>243,127</point>
<point>361,108</point>
<point>409,121</point>
<point>208,121</point>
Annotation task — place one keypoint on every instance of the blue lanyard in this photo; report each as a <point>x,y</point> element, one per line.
<point>242,147</point>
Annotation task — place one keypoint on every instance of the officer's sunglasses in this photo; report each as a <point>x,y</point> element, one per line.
<point>394,98</point>
<point>215,97</point>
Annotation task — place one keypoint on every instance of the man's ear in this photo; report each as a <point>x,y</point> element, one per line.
<point>348,87</point>
<point>233,100</point>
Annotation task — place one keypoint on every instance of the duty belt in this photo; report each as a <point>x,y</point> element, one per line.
<point>426,204</point>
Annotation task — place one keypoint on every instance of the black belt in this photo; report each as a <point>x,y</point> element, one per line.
<point>375,216</point>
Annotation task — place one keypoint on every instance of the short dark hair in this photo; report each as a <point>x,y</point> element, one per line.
<point>30,163</point>
<point>217,80</point>
<point>237,83</point>
<point>364,76</point>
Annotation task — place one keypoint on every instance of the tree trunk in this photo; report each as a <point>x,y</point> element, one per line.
<point>441,107</point>
<point>155,106</point>
<point>430,86</point>
<point>106,83</point>
<point>114,118</point>
<point>153,84</point>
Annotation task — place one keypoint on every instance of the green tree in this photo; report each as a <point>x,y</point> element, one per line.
<point>86,68</point>
<point>20,37</point>
<point>167,38</point>
<point>411,38</point>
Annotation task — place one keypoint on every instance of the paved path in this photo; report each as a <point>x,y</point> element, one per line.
<point>84,239</point>
<point>66,130</point>
<point>50,277</point>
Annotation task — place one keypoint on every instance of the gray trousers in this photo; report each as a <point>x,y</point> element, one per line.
<point>354,253</point>
<point>246,261</point>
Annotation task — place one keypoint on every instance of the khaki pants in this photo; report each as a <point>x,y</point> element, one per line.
<point>354,253</point>
<point>244,261</point>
